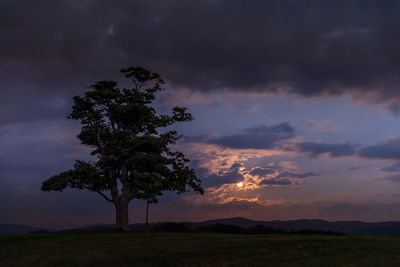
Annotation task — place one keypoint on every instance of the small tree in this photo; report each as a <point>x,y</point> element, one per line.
<point>149,192</point>
<point>133,159</point>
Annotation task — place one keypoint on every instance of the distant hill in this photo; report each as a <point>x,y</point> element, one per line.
<point>14,229</point>
<point>354,228</point>
<point>99,227</point>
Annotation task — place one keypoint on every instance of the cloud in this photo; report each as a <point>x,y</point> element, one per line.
<point>262,171</point>
<point>392,178</point>
<point>313,49</point>
<point>230,176</point>
<point>333,150</point>
<point>392,168</point>
<point>238,203</point>
<point>299,175</point>
<point>323,127</point>
<point>262,137</point>
<point>286,178</point>
<point>354,168</point>
<point>275,181</point>
<point>387,150</point>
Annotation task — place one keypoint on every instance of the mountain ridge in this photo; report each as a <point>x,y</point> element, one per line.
<point>354,228</point>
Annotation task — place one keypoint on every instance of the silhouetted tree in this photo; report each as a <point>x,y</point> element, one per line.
<point>149,192</point>
<point>133,159</point>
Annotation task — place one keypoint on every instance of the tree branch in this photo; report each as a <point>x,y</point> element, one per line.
<point>98,191</point>
<point>105,196</point>
<point>100,144</point>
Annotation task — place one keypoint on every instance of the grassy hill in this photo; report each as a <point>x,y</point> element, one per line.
<point>199,249</point>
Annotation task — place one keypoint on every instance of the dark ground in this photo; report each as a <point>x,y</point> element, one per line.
<point>196,249</point>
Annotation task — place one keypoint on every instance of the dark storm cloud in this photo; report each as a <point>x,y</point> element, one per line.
<point>232,175</point>
<point>262,171</point>
<point>284,178</point>
<point>263,137</point>
<point>388,150</point>
<point>275,181</point>
<point>333,150</point>
<point>299,175</point>
<point>313,48</point>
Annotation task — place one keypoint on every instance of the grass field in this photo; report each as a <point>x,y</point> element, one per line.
<point>202,249</point>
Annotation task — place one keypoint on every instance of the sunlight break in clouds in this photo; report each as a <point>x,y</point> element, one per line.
<point>229,174</point>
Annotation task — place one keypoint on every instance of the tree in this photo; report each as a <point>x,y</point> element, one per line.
<point>133,157</point>
<point>149,192</point>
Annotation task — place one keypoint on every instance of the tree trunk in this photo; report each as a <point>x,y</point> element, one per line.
<point>147,217</point>
<point>122,215</point>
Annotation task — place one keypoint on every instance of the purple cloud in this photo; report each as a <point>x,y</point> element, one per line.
<point>333,150</point>
<point>262,137</point>
<point>387,150</point>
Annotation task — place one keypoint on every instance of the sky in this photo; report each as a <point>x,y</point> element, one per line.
<point>296,101</point>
